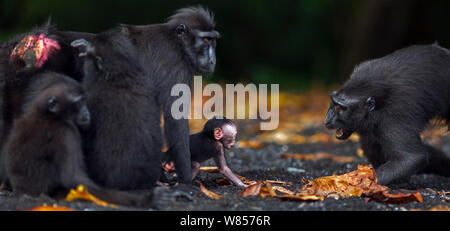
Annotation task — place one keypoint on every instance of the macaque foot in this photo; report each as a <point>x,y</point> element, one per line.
<point>164,196</point>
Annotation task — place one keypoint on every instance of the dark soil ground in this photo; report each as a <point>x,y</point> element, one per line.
<point>266,164</point>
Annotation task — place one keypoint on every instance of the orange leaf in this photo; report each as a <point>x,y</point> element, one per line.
<point>302,197</point>
<point>208,193</point>
<point>355,183</point>
<point>397,198</point>
<point>252,190</point>
<point>361,182</point>
<point>283,190</point>
<point>82,193</point>
<point>50,208</point>
<point>251,144</point>
<point>278,182</point>
<point>209,169</point>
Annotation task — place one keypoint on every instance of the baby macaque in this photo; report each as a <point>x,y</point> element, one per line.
<point>216,136</point>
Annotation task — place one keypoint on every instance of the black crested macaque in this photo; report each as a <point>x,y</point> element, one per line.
<point>123,144</point>
<point>388,102</point>
<point>217,135</point>
<point>22,58</point>
<point>172,53</point>
<point>43,154</point>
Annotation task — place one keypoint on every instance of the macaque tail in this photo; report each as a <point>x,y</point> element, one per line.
<point>120,197</point>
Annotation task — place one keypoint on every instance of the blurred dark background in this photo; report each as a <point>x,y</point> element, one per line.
<point>294,43</point>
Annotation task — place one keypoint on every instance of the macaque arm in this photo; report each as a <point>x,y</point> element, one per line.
<point>221,163</point>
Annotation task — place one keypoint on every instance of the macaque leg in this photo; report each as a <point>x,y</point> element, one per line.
<point>195,167</point>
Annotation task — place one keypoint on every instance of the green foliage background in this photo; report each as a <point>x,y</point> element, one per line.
<point>294,43</point>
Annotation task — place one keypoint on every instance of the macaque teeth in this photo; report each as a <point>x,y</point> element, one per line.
<point>339,132</point>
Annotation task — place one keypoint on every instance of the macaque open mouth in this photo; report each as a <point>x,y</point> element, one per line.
<point>343,134</point>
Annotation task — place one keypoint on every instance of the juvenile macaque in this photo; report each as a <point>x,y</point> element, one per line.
<point>43,154</point>
<point>216,136</point>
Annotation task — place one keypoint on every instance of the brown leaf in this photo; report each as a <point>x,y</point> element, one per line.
<point>208,193</point>
<point>355,183</point>
<point>245,181</point>
<point>361,182</point>
<point>283,190</point>
<point>396,198</point>
<point>252,190</point>
<point>81,192</point>
<point>301,197</point>
<point>209,169</point>
<point>279,182</point>
<point>54,207</point>
<point>267,191</point>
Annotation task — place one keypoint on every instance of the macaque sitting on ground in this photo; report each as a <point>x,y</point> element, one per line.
<point>216,136</point>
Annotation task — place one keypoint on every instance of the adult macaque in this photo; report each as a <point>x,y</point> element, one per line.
<point>43,154</point>
<point>388,102</point>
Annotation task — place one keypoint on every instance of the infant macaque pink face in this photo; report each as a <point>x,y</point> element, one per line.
<point>229,135</point>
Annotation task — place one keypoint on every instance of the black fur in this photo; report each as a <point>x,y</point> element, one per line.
<point>123,144</point>
<point>204,146</point>
<point>388,102</point>
<point>43,155</point>
<point>15,79</point>
<point>172,53</point>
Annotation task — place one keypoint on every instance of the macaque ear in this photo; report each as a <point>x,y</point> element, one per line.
<point>181,29</point>
<point>218,133</point>
<point>370,102</point>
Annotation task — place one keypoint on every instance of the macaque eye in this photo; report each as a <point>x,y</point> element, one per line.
<point>206,39</point>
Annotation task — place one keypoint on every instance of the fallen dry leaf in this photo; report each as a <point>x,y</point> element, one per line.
<point>318,156</point>
<point>267,191</point>
<point>245,181</point>
<point>264,189</point>
<point>207,192</point>
<point>54,207</point>
<point>81,192</point>
<point>301,197</point>
<point>252,190</point>
<point>355,183</point>
<point>279,182</point>
<point>255,144</point>
<point>209,169</point>
<point>360,152</point>
<point>362,181</point>
<point>283,190</point>
<point>225,181</point>
<point>394,198</point>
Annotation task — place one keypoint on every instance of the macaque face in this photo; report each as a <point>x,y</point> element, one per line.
<point>229,136</point>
